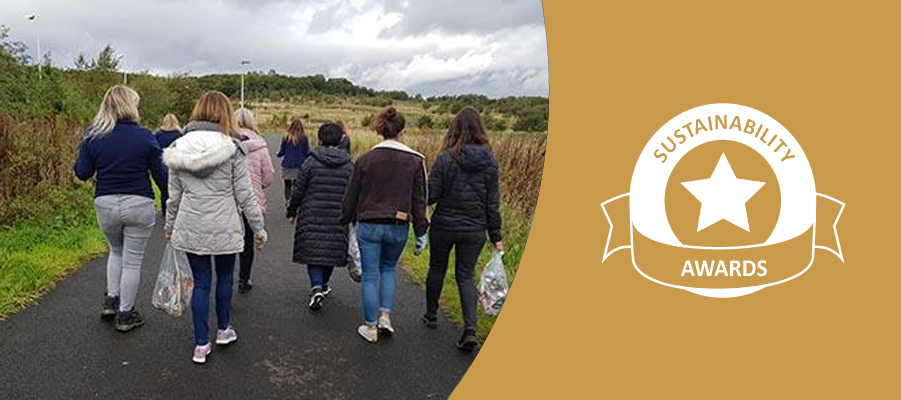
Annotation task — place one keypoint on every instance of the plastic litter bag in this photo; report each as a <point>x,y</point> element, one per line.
<point>493,285</point>
<point>353,247</point>
<point>354,265</point>
<point>174,284</point>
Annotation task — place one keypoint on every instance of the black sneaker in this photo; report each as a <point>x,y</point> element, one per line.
<point>430,321</point>
<point>110,307</point>
<point>244,287</point>
<point>316,299</point>
<point>326,290</point>
<point>128,320</point>
<point>468,341</point>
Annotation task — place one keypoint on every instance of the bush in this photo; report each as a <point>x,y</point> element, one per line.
<point>366,122</point>
<point>531,123</point>
<point>495,124</point>
<point>425,122</point>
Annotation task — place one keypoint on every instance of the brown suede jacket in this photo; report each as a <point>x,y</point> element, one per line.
<point>388,183</point>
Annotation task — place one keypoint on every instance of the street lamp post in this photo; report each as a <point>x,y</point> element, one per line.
<point>243,72</point>
<point>34,17</point>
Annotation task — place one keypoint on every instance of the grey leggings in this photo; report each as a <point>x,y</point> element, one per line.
<point>127,221</point>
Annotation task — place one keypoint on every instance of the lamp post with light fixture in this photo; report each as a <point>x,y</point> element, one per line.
<point>34,17</point>
<point>243,72</point>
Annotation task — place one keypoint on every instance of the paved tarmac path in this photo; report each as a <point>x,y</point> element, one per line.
<point>61,349</point>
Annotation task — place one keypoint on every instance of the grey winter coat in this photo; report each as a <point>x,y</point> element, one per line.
<point>320,238</point>
<point>209,189</point>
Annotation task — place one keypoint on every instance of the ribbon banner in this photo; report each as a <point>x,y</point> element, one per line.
<point>731,176</point>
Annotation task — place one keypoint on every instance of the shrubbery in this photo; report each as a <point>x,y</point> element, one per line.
<point>531,123</point>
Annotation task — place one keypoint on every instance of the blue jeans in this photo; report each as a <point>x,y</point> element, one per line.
<point>319,275</point>
<point>380,248</point>
<point>202,268</point>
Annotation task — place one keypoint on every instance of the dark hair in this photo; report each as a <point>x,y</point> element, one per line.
<point>466,128</point>
<point>330,134</point>
<point>389,123</point>
<point>295,131</point>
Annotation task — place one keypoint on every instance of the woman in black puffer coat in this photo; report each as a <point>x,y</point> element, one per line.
<point>464,185</point>
<point>320,240</point>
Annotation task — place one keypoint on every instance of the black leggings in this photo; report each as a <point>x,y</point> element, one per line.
<point>467,247</point>
<point>247,255</point>
<point>289,186</point>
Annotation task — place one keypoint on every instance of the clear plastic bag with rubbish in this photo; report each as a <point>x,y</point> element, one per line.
<point>174,284</point>
<point>493,285</point>
<point>354,265</point>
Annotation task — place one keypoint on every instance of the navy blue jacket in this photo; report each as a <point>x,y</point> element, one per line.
<point>165,138</point>
<point>294,154</point>
<point>121,160</point>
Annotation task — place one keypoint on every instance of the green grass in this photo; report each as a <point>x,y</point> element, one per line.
<point>36,254</point>
<point>516,232</point>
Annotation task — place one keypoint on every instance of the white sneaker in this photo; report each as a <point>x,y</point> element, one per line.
<point>200,353</point>
<point>369,333</point>
<point>385,323</point>
<point>227,336</point>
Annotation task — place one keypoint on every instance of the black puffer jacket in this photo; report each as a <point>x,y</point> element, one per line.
<point>465,187</point>
<point>319,237</point>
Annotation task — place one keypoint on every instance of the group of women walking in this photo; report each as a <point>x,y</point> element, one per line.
<point>212,175</point>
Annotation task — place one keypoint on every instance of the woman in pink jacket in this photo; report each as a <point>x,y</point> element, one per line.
<point>259,165</point>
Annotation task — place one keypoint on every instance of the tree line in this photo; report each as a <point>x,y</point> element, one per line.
<point>74,92</point>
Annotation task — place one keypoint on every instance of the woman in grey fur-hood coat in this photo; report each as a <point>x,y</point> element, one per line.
<point>209,189</point>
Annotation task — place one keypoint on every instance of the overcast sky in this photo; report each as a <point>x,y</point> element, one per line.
<point>492,47</point>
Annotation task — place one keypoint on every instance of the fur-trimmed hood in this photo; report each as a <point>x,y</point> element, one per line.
<point>200,150</point>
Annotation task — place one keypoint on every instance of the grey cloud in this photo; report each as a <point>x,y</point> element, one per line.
<point>463,16</point>
<point>429,52</point>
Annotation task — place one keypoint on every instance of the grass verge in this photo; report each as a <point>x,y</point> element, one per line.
<point>516,231</point>
<point>36,254</point>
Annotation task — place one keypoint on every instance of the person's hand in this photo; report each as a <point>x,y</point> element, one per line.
<point>259,239</point>
<point>291,220</point>
<point>167,235</point>
<point>499,246</point>
<point>421,242</point>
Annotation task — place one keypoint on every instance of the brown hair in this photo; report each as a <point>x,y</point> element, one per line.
<point>295,131</point>
<point>389,123</point>
<point>215,107</point>
<point>466,128</point>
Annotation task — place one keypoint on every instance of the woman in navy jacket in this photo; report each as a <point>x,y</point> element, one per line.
<point>121,154</point>
<point>294,150</point>
<point>169,132</point>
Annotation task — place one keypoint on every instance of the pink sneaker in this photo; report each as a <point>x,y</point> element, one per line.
<point>200,353</point>
<point>226,337</point>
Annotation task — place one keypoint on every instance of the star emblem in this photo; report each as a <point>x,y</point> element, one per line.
<point>723,196</point>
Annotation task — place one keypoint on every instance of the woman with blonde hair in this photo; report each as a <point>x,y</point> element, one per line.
<point>294,149</point>
<point>259,164</point>
<point>170,131</point>
<point>210,189</point>
<point>120,153</point>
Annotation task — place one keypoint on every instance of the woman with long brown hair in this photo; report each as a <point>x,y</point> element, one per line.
<point>210,189</point>
<point>294,150</point>
<point>464,184</point>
